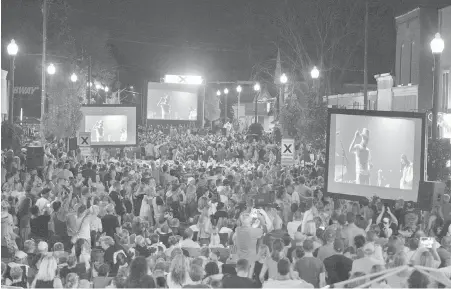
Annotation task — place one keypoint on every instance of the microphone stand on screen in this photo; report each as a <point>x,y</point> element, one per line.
<point>343,159</point>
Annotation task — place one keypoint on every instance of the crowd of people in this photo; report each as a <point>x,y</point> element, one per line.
<point>206,211</point>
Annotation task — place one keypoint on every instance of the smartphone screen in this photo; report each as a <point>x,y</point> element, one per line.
<point>427,242</point>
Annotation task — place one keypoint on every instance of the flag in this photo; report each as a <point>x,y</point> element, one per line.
<point>278,71</point>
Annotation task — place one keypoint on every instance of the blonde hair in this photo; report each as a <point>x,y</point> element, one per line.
<point>179,270</point>
<point>71,280</point>
<point>426,259</point>
<point>47,269</point>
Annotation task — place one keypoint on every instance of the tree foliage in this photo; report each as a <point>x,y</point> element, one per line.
<point>64,115</point>
<point>439,152</point>
<point>305,118</point>
<point>75,51</point>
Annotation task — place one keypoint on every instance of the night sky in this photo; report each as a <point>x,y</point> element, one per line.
<point>220,40</point>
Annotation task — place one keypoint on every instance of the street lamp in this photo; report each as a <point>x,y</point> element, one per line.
<point>256,89</point>
<point>106,89</point>
<point>226,92</point>
<point>51,69</point>
<point>314,73</point>
<point>74,77</point>
<point>283,81</point>
<point>12,48</point>
<point>257,86</point>
<point>283,78</point>
<point>218,93</point>
<point>12,51</point>
<point>437,47</point>
<point>98,86</point>
<point>238,89</point>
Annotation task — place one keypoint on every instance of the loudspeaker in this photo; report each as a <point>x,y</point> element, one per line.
<point>35,157</point>
<point>430,194</point>
<point>73,144</point>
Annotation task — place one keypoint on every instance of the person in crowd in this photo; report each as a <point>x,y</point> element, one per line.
<point>351,230</point>
<point>399,280</point>
<point>196,274</point>
<point>241,279</point>
<point>387,222</point>
<point>47,274</point>
<point>138,276</point>
<point>328,249</point>
<point>246,238</point>
<point>284,278</point>
<point>337,266</point>
<point>309,268</point>
<point>367,262</point>
<point>179,272</point>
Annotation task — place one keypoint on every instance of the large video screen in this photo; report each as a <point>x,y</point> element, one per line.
<point>375,155</point>
<point>110,125</point>
<point>172,101</point>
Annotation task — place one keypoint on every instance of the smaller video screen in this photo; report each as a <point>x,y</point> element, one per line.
<point>110,125</point>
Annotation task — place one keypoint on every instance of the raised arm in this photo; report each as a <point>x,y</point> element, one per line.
<point>351,147</point>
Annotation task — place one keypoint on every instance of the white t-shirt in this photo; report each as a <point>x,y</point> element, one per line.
<point>41,203</point>
<point>84,230</point>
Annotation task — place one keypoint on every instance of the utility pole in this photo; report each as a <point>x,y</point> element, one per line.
<point>90,84</point>
<point>365,61</point>
<point>43,69</point>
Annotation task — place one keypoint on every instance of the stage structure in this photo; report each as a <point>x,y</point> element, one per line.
<point>375,153</point>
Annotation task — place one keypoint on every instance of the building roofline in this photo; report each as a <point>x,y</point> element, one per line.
<point>407,13</point>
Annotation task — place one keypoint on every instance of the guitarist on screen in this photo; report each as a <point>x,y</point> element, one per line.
<point>362,157</point>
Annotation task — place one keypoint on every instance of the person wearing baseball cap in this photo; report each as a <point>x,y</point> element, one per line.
<point>362,156</point>
<point>337,265</point>
<point>368,261</point>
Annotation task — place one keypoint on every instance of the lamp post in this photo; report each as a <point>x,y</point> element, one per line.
<point>238,89</point>
<point>74,77</point>
<point>12,51</point>
<point>283,81</point>
<point>257,90</point>
<point>226,92</point>
<point>314,73</point>
<point>51,69</point>
<point>437,47</point>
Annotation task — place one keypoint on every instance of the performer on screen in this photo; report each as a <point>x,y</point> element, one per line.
<point>362,157</point>
<point>406,173</point>
<point>98,128</point>
<point>192,114</point>
<point>123,134</point>
<point>165,106</point>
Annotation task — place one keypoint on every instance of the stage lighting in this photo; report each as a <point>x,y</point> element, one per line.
<point>183,79</point>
